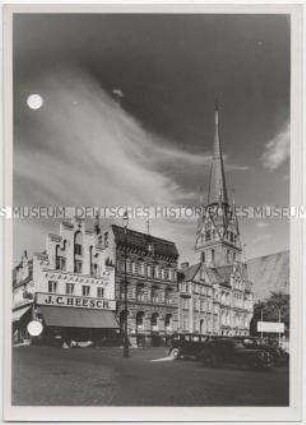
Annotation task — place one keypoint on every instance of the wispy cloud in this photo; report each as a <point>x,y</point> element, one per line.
<point>262,224</point>
<point>277,150</point>
<point>261,238</point>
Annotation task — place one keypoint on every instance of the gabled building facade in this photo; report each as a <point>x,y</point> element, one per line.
<point>69,287</point>
<point>216,293</point>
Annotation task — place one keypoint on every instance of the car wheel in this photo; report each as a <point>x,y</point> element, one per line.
<point>175,353</point>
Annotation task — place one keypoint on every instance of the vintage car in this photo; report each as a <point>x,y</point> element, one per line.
<point>232,351</point>
<point>187,345</point>
<point>278,354</point>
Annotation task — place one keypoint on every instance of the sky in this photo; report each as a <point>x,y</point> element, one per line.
<point>87,145</point>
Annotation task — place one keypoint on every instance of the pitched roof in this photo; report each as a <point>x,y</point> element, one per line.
<point>270,273</point>
<point>219,275</point>
<point>189,273</point>
<point>144,241</point>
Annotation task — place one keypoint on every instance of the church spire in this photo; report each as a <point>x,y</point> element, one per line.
<point>217,184</point>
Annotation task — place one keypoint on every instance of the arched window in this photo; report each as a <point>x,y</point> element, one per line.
<point>140,321</point>
<point>154,321</point>
<point>154,294</point>
<point>202,326</point>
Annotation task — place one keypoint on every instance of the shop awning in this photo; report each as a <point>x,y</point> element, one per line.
<point>69,317</point>
<point>17,314</point>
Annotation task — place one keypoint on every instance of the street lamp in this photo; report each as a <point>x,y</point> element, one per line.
<point>126,353</point>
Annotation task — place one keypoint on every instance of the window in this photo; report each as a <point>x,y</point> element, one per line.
<point>70,288</point>
<point>185,303</point>
<point>78,249</point>
<point>149,271</point>
<point>207,235</point>
<point>202,257</point>
<point>166,274</point>
<point>94,270</point>
<point>228,256</point>
<point>85,291</point>
<point>60,263</point>
<point>154,321</point>
<point>154,295</point>
<point>77,266</point>
<point>140,292</point>
<point>234,256</point>
<point>156,272</point>
<point>52,286</point>
<point>168,321</point>
<point>136,268</point>
<point>128,266</point>
<point>212,255</point>
<point>167,296</point>
<point>106,239</point>
<point>100,292</point>
<point>185,322</point>
<point>142,269</point>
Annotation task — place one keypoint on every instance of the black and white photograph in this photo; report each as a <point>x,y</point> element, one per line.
<point>151,219</point>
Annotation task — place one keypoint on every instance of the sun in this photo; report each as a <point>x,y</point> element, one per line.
<point>35,101</point>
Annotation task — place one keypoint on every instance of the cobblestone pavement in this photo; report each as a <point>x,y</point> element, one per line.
<point>85,376</point>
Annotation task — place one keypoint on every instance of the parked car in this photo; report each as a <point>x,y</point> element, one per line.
<point>221,351</point>
<point>187,345</point>
<point>278,354</point>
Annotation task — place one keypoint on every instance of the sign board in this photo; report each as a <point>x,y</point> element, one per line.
<point>74,301</point>
<point>275,327</point>
<point>35,328</point>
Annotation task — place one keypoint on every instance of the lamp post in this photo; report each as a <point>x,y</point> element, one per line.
<point>126,340</point>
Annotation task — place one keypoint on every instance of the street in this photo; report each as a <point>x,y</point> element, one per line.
<point>86,376</point>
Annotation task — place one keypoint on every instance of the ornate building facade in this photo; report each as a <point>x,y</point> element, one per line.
<point>151,273</point>
<point>216,293</point>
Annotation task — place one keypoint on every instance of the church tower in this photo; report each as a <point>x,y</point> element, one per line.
<point>217,239</point>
